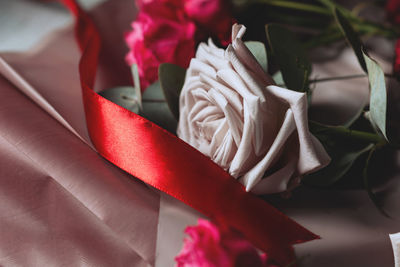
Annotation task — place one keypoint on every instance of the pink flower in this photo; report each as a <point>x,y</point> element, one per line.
<point>393,11</point>
<point>167,31</point>
<point>167,9</point>
<point>155,40</point>
<point>213,16</point>
<point>210,246</point>
<point>396,64</point>
<point>393,15</point>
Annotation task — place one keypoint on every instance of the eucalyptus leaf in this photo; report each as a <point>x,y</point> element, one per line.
<point>328,3</point>
<point>259,52</point>
<point>171,79</point>
<point>344,146</point>
<point>156,109</point>
<point>351,37</point>
<point>342,159</point>
<point>124,96</point>
<point>367,184</point>
<point>354,118</point>
<point>290,57</point>
<point>153,106</point>
<point>378,96</point>
<point>277,77</point>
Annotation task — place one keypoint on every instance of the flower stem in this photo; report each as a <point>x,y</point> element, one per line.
<point>296,5</point>
<point>347,77</point>
<point>359,135</point>
<point>347,133</point>
<point>362,25</point>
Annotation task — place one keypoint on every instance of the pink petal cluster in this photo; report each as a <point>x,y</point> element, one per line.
<point>393,11</point>
<point>393,15</point>
<point>212,246</point>
<point>167,31</point>
<point>396,63</point>
<point>213,17</point>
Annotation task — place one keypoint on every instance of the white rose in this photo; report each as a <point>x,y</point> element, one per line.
<point>231,111</point>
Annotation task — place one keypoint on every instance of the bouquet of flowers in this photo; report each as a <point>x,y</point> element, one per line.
<point>221,115</point>
<point>246,108</point>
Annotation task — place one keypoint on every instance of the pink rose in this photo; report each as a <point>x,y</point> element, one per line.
<point>213,16</point>
<point>155,40</point>
<point>210,246</point>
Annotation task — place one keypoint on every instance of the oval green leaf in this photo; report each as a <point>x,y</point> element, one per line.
<point>290,57</point>
<point>378,96</point>
<point>351,36</point>
<point>259,52</point>
<point>124,96</point>
<point>156,109</point>
<point>342,159</point>
<point>171,78</point>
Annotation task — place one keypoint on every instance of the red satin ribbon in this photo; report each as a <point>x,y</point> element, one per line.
<point>163,161</point>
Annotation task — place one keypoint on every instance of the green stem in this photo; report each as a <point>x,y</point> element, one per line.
<point>347,77</point>
<point>359,135</point>
<point>359,23</point>
<point>367,185</point>
<point>296,5</point>
<point>348,133</point>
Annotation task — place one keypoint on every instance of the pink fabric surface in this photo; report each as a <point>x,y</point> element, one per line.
<point>61,203</point>
<point>94,214</point>
<point>61,72</point>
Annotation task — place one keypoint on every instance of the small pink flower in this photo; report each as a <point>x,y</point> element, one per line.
<point>396,63</point>
<point>155,40</point>
<point>167,31</point>
<point>212,16</point>
<point>167,9</point>
<point>210,246</point>
<point>393,11</point>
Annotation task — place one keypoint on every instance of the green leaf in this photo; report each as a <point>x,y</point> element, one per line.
<point>290,56</point>
<point>259,52</point>
<point>328,3</point>
<point>354,118</point>
<point>152,104</point>
<point>351,37</point>
<point>378,97</point>
<point>344,146</point>
<point>277,77</point>
<point>136,83</point>
<point>123,96</point>
<point>156,109</point>
<point>343,157</point>
<point>367,185</point>
<point>171,79</point>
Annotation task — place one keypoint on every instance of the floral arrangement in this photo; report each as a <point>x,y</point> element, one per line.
<point>244,105</point>
<point>243,131</point>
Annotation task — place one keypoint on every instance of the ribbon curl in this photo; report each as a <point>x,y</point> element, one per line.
<point>165,162</point>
